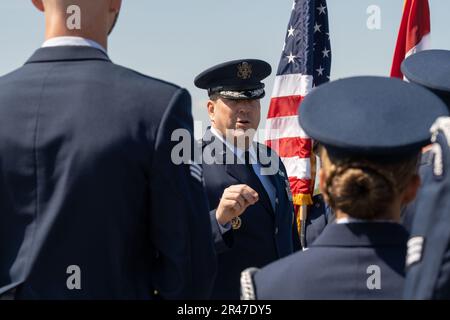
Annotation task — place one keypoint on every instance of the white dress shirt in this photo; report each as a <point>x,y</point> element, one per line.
<point>73,41</point>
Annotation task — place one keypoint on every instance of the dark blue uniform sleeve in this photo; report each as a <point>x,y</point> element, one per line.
<point>185,261</point>
<point>222,241</point>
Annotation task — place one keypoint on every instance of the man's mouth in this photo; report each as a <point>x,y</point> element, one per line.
<point>243,121</point>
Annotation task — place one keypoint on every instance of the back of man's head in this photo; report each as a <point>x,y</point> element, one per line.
<point>84,18</point>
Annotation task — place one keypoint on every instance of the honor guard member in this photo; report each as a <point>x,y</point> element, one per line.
<point>252,212</point>
<point>91,204</point>
<point>428,260</point>
<point>371,130</point>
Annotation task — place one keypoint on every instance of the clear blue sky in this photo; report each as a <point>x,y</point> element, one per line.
<point>176,40</point>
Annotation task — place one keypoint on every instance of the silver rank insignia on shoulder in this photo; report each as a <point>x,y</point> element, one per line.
<point>244,71</point>
<point>236,223</point>
<point>196,171</point>
<point>415,251</point>
<point>247,286</point>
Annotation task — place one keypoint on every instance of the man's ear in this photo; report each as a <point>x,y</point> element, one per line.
<point>211,110</point>
<point>115,5</point>
<point>322,180</point>
<point>411,190</point>
<point>38,4</point>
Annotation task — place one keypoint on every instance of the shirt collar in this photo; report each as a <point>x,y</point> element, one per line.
<point>353,220</point>
<point>237,151</point>
<point>73,41</point>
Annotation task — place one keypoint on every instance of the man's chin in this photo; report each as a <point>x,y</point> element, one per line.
<point>242,137</point>
<point>244,126</point>
<point>239,132</point>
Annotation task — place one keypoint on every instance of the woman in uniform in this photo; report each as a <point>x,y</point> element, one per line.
<point>371,130</point>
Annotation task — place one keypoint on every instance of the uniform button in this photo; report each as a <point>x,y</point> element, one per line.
<point>277,201</point>
<point>276,230</point>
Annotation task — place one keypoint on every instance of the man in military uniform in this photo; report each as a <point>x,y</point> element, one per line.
<point>252,213</point>
<point>428,261</point>
<point>92,206</point>
<point>370,173</point>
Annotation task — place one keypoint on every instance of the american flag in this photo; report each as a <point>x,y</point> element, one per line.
<point>414,33</point>
<point>305,63</point>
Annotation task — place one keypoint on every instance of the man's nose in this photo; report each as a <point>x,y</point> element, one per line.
<point>245,107</point>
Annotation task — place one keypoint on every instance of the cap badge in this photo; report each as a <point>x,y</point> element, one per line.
<point>244,70</point>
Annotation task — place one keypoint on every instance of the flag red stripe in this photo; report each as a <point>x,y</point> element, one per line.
<point>284,106</point>
<point>291,147</point>
<point>300,186</point>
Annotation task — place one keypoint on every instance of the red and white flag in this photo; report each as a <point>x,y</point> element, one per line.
<point>414,33</point>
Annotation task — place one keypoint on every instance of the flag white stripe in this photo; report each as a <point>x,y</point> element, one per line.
<point>284,127</point>
<point>299,168</point>
<point>292,85</point>
<point>424,44</point>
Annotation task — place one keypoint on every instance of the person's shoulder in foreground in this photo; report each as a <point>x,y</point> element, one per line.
<point>92,196</point>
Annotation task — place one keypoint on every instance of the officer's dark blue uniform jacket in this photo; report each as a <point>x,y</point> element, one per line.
<point>86,180</point>
<point>264,236</point>
<point>338,265</point>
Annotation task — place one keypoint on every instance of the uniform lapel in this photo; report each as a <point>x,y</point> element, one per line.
<point>276,179</point>
<point>247,176</point>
